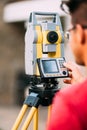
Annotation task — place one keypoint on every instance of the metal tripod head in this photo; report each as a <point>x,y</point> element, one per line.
<point>45,88</point>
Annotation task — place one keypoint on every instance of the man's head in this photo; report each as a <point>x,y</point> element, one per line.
<point>78,40</point>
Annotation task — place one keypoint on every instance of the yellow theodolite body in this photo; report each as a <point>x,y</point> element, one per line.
<point>42,40</point>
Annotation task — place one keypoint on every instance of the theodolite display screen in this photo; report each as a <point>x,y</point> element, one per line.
<point>50,66</point>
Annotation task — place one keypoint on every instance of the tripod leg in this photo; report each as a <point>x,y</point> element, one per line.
<point>20,117</point>
<point>29,118</point>
<point>49,110</point>
<point>36,120</point>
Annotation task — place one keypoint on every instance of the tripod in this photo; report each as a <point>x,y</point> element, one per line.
<point>41,93</point>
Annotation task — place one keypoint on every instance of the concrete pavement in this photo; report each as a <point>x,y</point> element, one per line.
<point>8,115</point>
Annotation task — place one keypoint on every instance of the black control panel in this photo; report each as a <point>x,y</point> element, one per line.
<point>52,67</point>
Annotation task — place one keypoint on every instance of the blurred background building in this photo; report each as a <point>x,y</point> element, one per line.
<point>13,16</point>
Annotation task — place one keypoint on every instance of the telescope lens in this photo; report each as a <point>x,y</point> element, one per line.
<point>52,37</point>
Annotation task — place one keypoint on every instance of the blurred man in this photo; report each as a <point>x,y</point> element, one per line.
<point>69,108</point>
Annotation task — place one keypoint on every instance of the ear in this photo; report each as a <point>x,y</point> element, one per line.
<point>80,34</point>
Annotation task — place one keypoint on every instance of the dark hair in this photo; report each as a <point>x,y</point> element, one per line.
<point>73,5</point>
<point>79,6</point>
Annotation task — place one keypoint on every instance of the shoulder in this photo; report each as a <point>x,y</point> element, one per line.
<point>72,90</point>
<point>67,103</point>
<point>73,97</point>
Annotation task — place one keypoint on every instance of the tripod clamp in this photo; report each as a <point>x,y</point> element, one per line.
<point>32,100</point>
